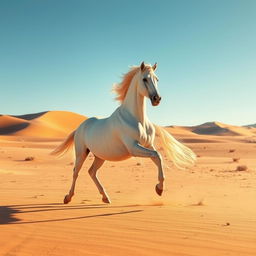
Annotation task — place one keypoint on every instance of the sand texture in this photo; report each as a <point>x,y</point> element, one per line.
<point>209,209</point>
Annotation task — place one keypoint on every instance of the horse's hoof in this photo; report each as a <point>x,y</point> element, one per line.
<point>106,200</point>
<point>66,199</point>
<point>159,191</point>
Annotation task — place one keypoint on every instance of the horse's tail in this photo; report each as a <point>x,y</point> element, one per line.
<point>64,146</point>
<point>180,155</point>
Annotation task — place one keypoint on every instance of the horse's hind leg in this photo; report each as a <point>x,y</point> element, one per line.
<point>81,155</point>
<point>97,163</point>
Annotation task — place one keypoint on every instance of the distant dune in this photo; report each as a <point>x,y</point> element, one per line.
<point>45,124</point>
<point>217,128</point>
<point>58,124</point>
<point>250,125</point>
<point>213,128</point>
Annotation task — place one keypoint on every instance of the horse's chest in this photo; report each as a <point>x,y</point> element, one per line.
<point>145,136</point>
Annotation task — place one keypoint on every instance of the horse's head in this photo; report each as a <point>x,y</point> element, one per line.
<point>148,83</point>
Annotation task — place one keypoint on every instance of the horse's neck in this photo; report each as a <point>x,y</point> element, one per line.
<point>135,103</point>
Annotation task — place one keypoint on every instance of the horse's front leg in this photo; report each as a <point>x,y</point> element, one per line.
<point>140,151</point>
<point>161,177</point>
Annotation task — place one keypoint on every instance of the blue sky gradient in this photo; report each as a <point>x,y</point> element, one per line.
<point>65,55</point>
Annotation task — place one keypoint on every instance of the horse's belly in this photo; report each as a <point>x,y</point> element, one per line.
<point>113,156</point>
<point>110,152</point>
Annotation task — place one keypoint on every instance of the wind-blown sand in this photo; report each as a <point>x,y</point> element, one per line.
<point>206,210</point>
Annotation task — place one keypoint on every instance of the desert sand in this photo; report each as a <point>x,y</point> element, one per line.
<point>209,209</point>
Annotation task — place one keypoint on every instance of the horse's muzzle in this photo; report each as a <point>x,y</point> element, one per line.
<point>155,100</point>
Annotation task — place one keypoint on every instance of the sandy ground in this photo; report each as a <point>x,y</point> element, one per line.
<point>207,210</point>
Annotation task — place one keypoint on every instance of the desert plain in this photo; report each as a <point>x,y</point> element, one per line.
<point>208,209</point>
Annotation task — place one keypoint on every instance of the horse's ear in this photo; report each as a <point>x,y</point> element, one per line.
<point>154,67</point>
<point>142,66</point>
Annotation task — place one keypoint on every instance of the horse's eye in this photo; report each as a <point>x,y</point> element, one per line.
<point>144,79</point>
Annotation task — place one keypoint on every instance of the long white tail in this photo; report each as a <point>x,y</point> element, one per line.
<point>64,146</point>
<point>180,155</point>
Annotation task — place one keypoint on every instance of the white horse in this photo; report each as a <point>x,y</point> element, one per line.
<point>126,133</point>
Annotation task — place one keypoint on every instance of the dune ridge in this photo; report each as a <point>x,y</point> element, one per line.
<point>250,125</point>
<point>58,124</point>
<point>214,128</point>
<point>44,124</point>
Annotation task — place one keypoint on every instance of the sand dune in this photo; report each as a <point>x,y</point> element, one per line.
<point>213,128</point>
<point>217,128</point>
<point>57,124</point>
<point>44,125</point>
<point>250,125</point>
<point>179,130</point>
<point>10,125</point>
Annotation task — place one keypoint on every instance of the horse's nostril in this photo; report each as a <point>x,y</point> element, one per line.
<point>156,98</point>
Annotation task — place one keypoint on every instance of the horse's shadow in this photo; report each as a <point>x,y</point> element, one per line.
<point>10,214</point>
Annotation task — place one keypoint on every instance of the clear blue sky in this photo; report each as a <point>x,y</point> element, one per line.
<point>65,55</point>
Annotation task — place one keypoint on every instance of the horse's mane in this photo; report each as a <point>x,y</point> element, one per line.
<point>122,88</point>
